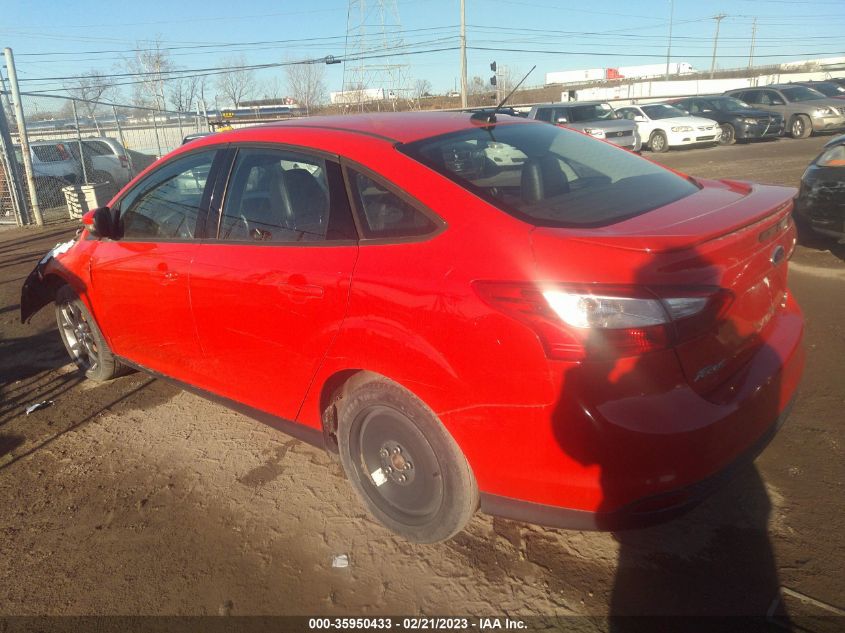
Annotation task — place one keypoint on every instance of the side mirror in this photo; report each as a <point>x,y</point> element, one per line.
<point>561,119</point>
<point>98,222</point>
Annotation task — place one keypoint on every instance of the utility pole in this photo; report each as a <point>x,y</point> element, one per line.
<point>753,38</point>
<point>463,55</point>
<point>22,137</point>
<point>718,19</point>
<point>669,48</point>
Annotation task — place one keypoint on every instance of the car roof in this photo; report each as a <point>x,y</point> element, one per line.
<point>570,103</point>
<point>396,127</point>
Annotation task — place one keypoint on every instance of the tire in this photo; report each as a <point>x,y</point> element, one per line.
<point>102,177</point>
<point>403,464</point>
<point>728,134</point>
<point>83,340</point>
<point>657,142</point>
<point>800,126</point>
<point>49,192</point>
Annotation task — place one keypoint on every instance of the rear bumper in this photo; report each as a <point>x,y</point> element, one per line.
<point>630,442</point>
<point>642,513</point>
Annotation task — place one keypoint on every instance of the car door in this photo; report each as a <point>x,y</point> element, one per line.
<point>140,279</point>
<point>270,292</point>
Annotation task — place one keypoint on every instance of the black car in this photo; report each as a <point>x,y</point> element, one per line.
<point>820,204</point>
<point>738,120</point>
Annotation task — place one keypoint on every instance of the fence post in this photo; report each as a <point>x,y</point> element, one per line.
<point>10,162</point>
<point>158,141</point>
<point>79,140</point>
<point>119,129</point>
<point>179,119</point>
<point>24,141</point>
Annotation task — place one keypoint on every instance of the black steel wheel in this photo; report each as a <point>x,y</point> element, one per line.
<point>728,134</point>
<point>83,339</point>
<point>403,464</point>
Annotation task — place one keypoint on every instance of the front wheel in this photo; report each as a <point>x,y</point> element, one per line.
<point>728,134</point>
<point>83,339</point>
<point>403,464</point>
<point>658,142</point>
<point>800,127</point>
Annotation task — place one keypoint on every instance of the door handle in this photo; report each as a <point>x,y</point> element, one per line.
<point>303,290</point>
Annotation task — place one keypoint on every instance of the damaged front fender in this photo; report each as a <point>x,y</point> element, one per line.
<point>40,286</point>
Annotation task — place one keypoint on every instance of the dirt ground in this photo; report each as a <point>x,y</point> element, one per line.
<point>134,497</point>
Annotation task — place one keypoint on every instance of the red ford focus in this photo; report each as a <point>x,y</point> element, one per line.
<point>503,314</point>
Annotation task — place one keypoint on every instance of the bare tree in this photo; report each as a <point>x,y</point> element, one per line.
<point>88,90</point>
<point>236,84</point>
<point>306,85</point>
<point>273,90</point>
<point>184,92</point>
<point>422,88</point>
<point>478,91</point>
<point>153,65</point>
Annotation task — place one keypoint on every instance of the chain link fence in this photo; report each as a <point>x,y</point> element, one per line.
<point>82,152</point>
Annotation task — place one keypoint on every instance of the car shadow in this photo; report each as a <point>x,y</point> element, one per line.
<point>717,559</point>
<point>810,239</point>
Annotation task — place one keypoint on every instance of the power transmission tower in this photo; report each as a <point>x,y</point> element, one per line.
<point>373,30</point>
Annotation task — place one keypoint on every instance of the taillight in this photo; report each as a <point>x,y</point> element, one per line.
<point>579,322</point>
<point>63,153</point>
<point>124,161</point>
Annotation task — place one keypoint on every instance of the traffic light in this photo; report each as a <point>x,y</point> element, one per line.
<point>493,80</point>
<point>493,66</point>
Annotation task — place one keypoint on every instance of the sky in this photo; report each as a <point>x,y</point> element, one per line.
<point>56,39</point>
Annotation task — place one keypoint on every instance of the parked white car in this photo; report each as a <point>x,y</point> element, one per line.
<point>108,160</point>
<point>662,126</point>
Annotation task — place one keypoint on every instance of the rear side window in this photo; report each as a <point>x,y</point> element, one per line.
<point>98,148</point>
<point>283,196</point>
<point>544,114</point>
<point>50,153</point>
<point>165,206</point>
<point>383,213</point>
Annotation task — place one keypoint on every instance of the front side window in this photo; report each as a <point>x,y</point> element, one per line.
<point>165,206</point>
<point>801,93</point>
<point>563,178</point>
<point>384,214</point>
<point>585,113</point>
<point>284,196</point>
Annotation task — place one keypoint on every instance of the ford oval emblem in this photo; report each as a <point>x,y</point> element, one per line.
<point>777,255</point>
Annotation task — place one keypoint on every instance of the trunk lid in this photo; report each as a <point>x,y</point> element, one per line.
<point>730,236</point>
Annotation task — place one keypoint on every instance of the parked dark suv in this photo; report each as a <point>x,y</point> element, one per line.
<point>738,120</point>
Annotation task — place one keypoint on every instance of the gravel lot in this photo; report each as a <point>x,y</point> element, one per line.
<point>134,497</point>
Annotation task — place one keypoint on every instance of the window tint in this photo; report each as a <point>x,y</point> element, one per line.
<point>282,196</point>
<point>554,177</point>
<point>50,153</point>
<point>385,214</point>
<point>544,114</point>
<point>166,205</point>
<point>749,96</point>
<point>98,148</point>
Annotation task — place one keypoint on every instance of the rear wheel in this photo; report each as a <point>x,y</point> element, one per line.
<point>800,126</point>
<point>728,134</point>
<point>403,464</point>
<point>83,339</point>
<point>658,142</point>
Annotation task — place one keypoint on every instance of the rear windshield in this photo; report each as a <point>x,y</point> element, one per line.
<point>551,176</point>
<point>583,113</point>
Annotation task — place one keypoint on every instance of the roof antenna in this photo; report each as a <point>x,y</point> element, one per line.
<point>490,117</point>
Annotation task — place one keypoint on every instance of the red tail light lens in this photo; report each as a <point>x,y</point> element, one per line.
<point>579,322</point>
<point>124,161</point>
<point>63,153</point>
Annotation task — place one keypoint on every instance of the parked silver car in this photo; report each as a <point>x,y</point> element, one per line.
<point>806,111</point>
<point>596,118</point>
<point>107,160</point>
<point>54,167</point>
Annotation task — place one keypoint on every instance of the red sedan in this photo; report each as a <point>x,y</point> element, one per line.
<point>470,312</point>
